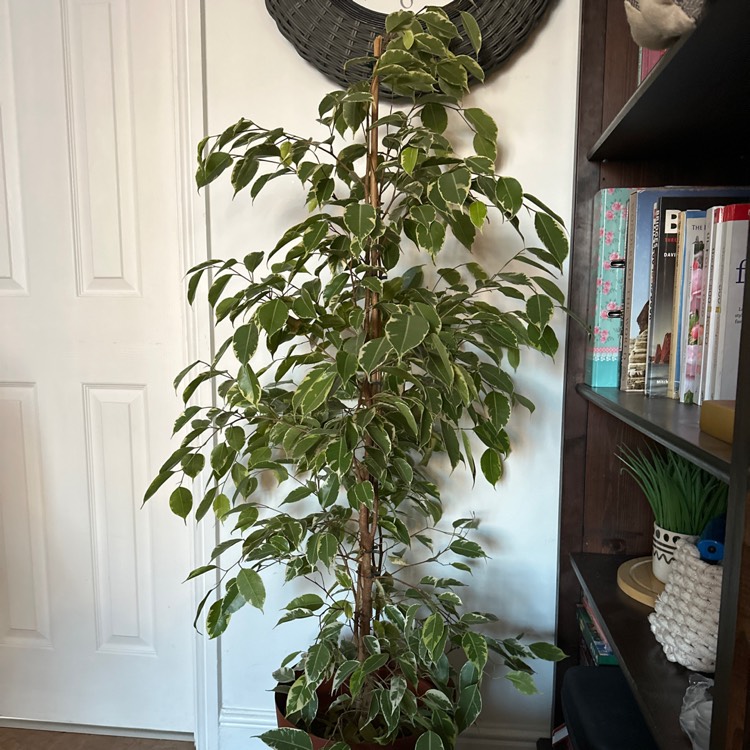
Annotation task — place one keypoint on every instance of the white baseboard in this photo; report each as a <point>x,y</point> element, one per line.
<point>257,719</point>
<point>51,726</point>
<point>237,725</point>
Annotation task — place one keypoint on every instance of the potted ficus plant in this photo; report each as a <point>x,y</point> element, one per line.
<point>372,366</point>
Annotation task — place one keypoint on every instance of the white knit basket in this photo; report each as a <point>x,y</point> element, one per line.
<point>685,620</point>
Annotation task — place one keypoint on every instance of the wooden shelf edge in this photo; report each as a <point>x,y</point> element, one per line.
<point>656,121</point>
<point>669,423</point>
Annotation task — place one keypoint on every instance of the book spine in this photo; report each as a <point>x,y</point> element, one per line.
<point>713,310</point>
<point>600,651</point>
<point>673,385</point>
<point>594,620</point>
<point>706,300</point>
<point>662,299</point>
<point>651,343</point>
<point>627,305</point>
<point>692,324</point>
<point>647,60</point>
<point>603,351</point>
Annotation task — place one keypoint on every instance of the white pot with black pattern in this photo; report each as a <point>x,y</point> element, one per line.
<point>664,547</point>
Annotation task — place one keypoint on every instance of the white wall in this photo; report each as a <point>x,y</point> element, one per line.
<point>252,71</point>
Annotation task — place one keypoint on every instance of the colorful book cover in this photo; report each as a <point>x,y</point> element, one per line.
<point>647,60</point>
<point>638,275</point>
<point>713,301</point>
<point>661,298</point>
<point>679,277</point>
<point>600,650</point>
<point>689,223</point>
<point>638,271</point>
<point>712,218</point>
<point>734,239</point>
<point>594,620</point>
<point>602,367</point>
<point>692,324</point>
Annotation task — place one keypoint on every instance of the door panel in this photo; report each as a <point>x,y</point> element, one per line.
<point>95,627</point>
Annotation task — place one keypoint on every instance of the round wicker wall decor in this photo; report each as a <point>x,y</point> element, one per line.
<point>327,33</point>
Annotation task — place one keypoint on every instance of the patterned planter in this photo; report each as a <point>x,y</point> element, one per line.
<point>664,547</point>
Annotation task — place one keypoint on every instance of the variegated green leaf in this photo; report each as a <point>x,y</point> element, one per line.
<point>250,586</point>
<point>318,659</point>
<point>287,738</point>
<point>245,342</point>
<point>272,315</point>
<point>552,235</point>
<point>454,186</point>
<point>472,30</point>
<point>433,631</point>
<point>360,219</point>
<point>406,332</point>
<point>509,194</point>
<point>429,741</point>
<point>374,353</point>
<point>523,682</point>
<point>475,648</point>
<point>409,158</point>
<point>469,707</point>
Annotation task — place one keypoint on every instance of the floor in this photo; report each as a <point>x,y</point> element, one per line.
<point>26,739</point>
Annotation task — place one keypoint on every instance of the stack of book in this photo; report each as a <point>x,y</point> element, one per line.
<point>595,650</point>
<point>666,305</point>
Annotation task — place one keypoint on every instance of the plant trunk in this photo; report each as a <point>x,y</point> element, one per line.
<point>368,520</point>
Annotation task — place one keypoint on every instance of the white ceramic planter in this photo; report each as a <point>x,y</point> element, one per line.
<point>664,546</point>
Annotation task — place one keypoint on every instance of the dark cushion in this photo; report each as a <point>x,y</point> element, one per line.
<point>600,711</point>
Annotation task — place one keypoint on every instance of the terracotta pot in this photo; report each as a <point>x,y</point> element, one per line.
<point>325,699</point>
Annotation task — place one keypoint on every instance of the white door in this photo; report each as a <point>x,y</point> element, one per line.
<point>95,626</point>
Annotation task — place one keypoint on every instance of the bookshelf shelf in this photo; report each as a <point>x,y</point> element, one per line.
<point>670,423</point>
<point>685,125</point>
<point>674,111</point>
<point>658,685</point>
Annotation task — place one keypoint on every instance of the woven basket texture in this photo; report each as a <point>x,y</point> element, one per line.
<point>327,33</point>
<point>685,620</point>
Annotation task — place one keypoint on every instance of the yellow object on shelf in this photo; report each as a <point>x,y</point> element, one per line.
<point>717,419</point>
<point>636,578</point>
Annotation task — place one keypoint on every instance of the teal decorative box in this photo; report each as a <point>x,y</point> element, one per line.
<point>607,293</point>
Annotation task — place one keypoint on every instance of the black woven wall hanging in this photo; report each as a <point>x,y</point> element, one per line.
<point>327,33</point>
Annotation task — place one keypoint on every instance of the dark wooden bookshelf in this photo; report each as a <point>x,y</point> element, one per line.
<point>687,124</point>
<point>657,684</point>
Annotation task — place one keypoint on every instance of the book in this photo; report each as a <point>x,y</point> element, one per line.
<point>692,294</point>
<point>689,222</point>
<point>606,295</point>
<point>713,246</point>
<point>679,283</point>
<point>594,619</point>
<point>647,60</point>
<point>728,309</point>
<point>661,297</point>
<point>635,305</point>
<point>717,419</point>
<point>600,650</point>
<point>560,738</point>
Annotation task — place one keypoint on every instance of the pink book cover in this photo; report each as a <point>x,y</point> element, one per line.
<point>690,381</point>
<point>649,58</point>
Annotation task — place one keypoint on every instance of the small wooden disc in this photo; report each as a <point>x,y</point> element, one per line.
<point>637,580</point>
